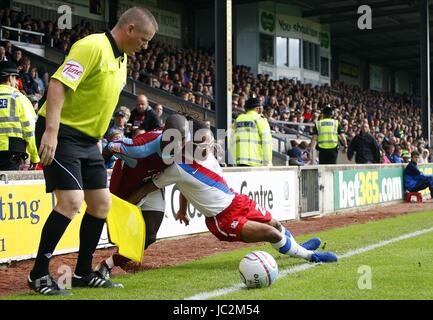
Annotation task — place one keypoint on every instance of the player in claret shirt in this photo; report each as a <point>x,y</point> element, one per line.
<point>229,215</point>
<point>142,159</point>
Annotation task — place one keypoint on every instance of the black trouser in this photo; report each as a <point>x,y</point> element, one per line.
<point>10,161</point>
<point>328,156</point>
<point>153,220</point>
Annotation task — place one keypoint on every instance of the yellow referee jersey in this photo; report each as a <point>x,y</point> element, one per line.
<point>95,73</point>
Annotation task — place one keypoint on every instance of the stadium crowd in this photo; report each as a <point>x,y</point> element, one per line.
<point>61,39</point>
<point>393,120</point>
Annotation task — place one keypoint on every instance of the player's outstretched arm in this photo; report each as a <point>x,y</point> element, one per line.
<point>137,149</point>
<point>145,189</point>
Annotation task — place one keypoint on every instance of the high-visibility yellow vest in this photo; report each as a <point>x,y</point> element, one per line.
<point>17,120</point>
<point>252,139</point>
<point>327,133</point>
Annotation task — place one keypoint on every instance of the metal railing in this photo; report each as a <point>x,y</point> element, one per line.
<point>287,127</point>
<point>133,88</point>
<point>180,88</point>
<point>22,31</point>
<point>170,100</point>
<point>283,139</point>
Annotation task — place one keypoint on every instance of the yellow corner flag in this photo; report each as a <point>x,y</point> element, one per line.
<point>126,228</point>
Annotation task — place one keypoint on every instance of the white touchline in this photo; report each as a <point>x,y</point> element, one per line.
<point>306,266</point>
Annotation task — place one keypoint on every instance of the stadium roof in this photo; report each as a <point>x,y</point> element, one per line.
<point>393,41</point>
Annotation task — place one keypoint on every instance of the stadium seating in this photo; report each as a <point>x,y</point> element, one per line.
<point>189,74</point>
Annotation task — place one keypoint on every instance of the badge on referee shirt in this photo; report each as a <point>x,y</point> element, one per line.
<point>72,70</point>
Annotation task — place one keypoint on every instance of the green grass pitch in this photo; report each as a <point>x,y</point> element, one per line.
<point>401,270</point>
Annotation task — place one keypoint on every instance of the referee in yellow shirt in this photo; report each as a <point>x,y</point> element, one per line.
<point>82,96</point>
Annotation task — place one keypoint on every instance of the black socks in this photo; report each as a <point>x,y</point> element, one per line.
<point>90,232</point>
<point>53,230</point>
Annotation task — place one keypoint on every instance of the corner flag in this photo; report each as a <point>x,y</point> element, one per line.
<point>126,228</point>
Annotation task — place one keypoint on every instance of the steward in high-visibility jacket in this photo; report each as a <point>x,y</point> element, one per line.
<point>252,137</point>
<point>326,133</point>
<point>17,122</point>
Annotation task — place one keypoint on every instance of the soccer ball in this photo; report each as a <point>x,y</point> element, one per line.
<point>258,269</point>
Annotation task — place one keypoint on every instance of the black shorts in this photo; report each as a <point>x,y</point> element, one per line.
<point>77,164</point>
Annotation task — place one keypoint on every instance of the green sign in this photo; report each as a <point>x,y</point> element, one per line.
<point>324,39</point>
<point>268,21</point>
<point>356,188</point>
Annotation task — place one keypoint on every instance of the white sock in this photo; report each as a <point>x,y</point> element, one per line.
<point>280,244</point>
<point>110,262</point>
<point>298,251</point>
<point>295,250</point>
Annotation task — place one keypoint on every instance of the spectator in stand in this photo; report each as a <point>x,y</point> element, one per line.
<point>119,124</point>
<point>269,114</point>
<point>184,95</point>
<point>40,83</point>
<point>143,115</point>
<point>26,37</point>
<point>383,158</point>
<point>389,151</point>
<point>297,153</point>
<point>406,158</point>
<point>30,86</point>
<point>365,146</point>
<point>424,156</point>
<point>114,135</point>
<point>406,149</point>
<point>126,111</point>
<point>396,156</point>
<point>308,115</point>
<point>127,132</point>
<point>159,110</point>
<point>16,57</point>
<point>8,49</point>
<point>3,54</point>
<point>139,113</point>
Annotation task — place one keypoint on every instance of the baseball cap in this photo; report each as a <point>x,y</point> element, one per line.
<point>119,114</point>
